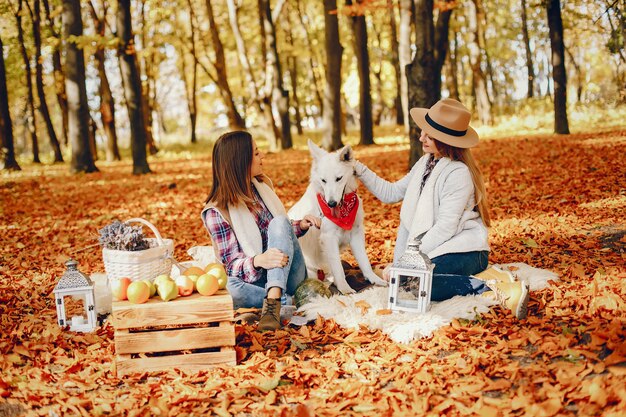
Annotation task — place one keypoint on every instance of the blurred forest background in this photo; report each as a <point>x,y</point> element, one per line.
<point>84,81</point>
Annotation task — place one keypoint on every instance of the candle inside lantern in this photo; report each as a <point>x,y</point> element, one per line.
<point>78,321</point>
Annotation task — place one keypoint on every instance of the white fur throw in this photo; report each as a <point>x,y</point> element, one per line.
<point>404,327</point>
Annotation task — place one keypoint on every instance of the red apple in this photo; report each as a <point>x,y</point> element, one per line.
<point>185,285</point>
<point>119,288</point>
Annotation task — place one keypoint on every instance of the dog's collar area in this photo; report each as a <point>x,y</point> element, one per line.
<point>342,215</point>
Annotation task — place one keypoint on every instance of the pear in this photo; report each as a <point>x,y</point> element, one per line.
<point>167,290</point>
<point>160,279</point>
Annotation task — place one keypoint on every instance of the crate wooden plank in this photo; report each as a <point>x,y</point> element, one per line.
<point>183,310</point>
<point>189,363</point>
<point>174,339</point>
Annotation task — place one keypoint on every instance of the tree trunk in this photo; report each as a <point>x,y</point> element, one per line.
<point>7,152</point>
<point>266,97</point>
<point>313,64</point>
<point>78,109</point>
<point>93,129</point>
<point>107,105</point>
<point>421,72</point>
<point>453,82</point>
<point>146,103</point>
<point>404,50</point>
<point>234,118</point>
<point>395,61</point>
<point>146,86</point>
<point>59,76</point>
<point>30,117</point>
<point>579,75</point>
<point>359,26</point>
<point>379,106</point>
<point>495,95</point>
<point>43,103</point>
<point>442,43</point>
<point>192,101</point>
<point>479,81</point>
<point>132,88</point>
<point>332,96</point>
<point>274,77</point>
<point>529,56</point>
<point>242,54</point>
<point>292,62</point>
<point>561,125</point>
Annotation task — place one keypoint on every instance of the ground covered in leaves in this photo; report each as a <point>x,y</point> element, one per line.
<point>558,202</point>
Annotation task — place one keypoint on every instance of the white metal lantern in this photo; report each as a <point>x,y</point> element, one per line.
<point>77,285</point>
<point>411,280</point>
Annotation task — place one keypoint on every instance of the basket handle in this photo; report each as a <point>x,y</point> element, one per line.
<point>150,225</point>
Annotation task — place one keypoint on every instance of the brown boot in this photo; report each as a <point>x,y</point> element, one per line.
<point>270,316</point>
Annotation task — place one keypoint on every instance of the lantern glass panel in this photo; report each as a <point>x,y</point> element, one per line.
<point>408,291</point>
<point>75,311</point>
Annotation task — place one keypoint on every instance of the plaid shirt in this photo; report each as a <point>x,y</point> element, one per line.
<point>238,264</point>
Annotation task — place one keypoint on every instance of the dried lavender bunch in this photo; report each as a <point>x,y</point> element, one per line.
<point>122,236</point>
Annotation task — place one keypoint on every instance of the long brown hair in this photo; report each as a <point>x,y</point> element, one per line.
<point>232,160</point>
<point>465,155</point>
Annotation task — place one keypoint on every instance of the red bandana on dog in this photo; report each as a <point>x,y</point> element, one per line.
<point>343,215</point>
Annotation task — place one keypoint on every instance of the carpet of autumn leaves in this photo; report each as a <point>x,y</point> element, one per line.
<point>558,202</point>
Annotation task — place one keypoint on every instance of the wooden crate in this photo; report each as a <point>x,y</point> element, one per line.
<point>159,335</point>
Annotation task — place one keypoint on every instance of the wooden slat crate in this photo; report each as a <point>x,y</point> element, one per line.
<point>188,333</point>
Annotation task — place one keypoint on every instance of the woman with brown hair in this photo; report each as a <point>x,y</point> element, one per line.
<point>250,231</point>
<point>445,205</point>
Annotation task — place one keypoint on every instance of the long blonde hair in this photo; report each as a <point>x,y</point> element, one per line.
<point>465,155</point>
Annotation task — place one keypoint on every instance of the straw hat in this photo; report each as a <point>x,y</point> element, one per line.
<point>448,122</point>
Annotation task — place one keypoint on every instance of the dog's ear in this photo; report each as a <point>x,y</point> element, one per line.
<point>346,154</point>
<point>316,151</point>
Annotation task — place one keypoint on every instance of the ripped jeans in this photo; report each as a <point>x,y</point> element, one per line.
<point>280,235</point>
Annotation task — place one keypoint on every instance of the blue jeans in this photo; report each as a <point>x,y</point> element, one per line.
<point>452,274</point>
<point>280,236</point>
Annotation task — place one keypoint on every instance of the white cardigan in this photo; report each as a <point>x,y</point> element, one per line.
<point>443,210</point>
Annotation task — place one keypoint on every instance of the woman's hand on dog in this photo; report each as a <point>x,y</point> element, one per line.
<point>310,220</point>
<point>271,258</point>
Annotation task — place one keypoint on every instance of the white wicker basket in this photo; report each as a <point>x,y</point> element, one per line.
<point>142,264</point>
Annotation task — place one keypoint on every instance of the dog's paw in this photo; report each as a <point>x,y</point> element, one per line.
<point>344,288</point>
<point>376,280</point>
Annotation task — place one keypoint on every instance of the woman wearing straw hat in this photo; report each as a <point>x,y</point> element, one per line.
<point>444,202</point>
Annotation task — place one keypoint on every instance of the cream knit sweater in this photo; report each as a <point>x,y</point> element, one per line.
<point>443,211</point>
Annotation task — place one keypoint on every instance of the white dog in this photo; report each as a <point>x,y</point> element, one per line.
<point>331,195</point>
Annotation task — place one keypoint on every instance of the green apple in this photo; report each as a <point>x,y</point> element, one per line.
<point>151,286</point>
<point>207,284</point>
<point>138,292</point>
<point>168,290</point>
<point>218,272</point>
<point>194,279</point>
